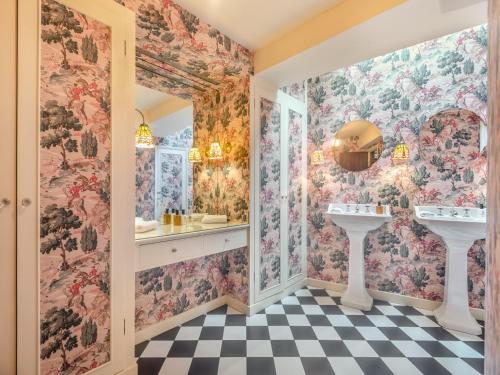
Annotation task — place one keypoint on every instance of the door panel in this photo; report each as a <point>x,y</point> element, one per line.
<point>295,196</point>
<point>83,169</point>
<point>8,190</point>
<point>279,123</point>
<point>270,194</point>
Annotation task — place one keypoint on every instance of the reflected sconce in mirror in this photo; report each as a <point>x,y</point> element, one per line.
<point>401,153</point>
<point>317,157</point>
<point>143,135</point>
<point>194,155</point>
<point>215,151</point>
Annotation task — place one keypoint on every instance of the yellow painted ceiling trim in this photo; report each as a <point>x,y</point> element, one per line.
<point>335,20</point>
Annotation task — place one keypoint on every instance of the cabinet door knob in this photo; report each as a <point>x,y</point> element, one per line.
<point>25,202</point>
<point>4,203</point>
<point>174,250</point>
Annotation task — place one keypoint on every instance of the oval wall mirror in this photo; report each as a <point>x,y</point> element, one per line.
<point>358,145</point>
<point>452,136</point>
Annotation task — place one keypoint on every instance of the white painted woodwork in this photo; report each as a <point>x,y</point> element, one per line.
<point>169,251</point>
<point>122,22</point>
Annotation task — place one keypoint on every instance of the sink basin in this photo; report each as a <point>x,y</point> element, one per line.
<point>459,227</point>
<point>357,220</point>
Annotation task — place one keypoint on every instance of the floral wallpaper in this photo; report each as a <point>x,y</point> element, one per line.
<point>296,90</point>
<point>223,187</point>
<point>222,69</point>
<point>400,93</point>
<point>75,164</point>
<point>145,173</point>
<point>294,193</point>
<point>145,183</point>
<point>169,290</point>
<point>171,191</point>
<point>270,199</point>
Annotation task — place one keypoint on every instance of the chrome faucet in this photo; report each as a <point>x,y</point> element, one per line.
<point>453,212</point>
<point>440,211</point>
<point>466,212</point>
<point>357,209</point>
<point>367,209</point>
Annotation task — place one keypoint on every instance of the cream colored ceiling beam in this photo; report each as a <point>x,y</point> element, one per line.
<point>171,105</point>
<point>334,21</point>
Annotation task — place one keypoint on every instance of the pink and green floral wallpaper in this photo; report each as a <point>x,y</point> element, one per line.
<point>270,194</point>
<point>295,158</point>
<point>402,92</point>
<point>169,290</point>
<point>75,163</point>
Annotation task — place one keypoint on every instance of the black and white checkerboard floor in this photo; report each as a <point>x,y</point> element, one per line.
<point>310,332</point>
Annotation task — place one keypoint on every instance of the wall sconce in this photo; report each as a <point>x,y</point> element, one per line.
<point>194,155</point>
<point>215,151</point>
<point>317,157</point>
<point>143,135</point>
<point>401,153</point>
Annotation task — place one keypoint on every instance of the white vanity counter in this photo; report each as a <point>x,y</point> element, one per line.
<point>167,244</point>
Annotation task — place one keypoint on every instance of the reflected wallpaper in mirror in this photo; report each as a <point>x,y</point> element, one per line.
<point>358,145</point>
<point>165,166</point>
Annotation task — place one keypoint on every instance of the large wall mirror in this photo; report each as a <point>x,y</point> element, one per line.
<point>171,120</point>
<point>358,145</point>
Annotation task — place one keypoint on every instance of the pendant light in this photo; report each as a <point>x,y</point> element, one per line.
<point>215,151</point>
<point>143,135</point>
<point>401,153</point>
<point>317,157</point>
<point>194,155</point>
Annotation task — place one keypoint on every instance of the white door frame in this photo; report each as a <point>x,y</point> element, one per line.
<point>261,89</point>
<point>8,75</point>
<point>122,22</point>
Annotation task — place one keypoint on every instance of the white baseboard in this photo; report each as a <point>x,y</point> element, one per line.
<point>132,370</point>
<point>391,297</point>
<point>174,321</point>
<point>262,304</point>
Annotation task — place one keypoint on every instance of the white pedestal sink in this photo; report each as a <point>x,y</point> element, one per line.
<point>458,227</point>
<point>357,220</point>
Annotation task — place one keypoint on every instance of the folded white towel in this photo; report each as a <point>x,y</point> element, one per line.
<point>145,226</point>
<point>197,217</point>
<point>138,220</point>
<point>214,219</point>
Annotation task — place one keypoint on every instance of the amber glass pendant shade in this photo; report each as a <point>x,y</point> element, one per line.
<point>194,155</point>
<point>317,157</point>
<point>215,152</point>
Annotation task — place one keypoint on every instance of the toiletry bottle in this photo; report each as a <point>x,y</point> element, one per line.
<point>177,218</point>
<point>168,217</point>
<point>183,217</point>
<point>379,209</point>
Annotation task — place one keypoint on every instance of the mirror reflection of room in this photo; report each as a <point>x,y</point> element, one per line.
<point>358,145</point>
<point>164,176</point>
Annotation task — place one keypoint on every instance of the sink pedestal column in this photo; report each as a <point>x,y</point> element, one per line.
<point>454,312</point>
<point>356,295</point>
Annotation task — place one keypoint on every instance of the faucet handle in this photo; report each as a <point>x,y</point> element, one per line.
<point>466,212</point>
<point>440,211</point>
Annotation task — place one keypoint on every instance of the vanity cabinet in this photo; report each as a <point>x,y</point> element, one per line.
<point>279,191</point>
<point>160,251</point>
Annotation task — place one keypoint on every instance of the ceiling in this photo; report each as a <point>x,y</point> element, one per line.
<point>146,98</point>
<point>258,22</point>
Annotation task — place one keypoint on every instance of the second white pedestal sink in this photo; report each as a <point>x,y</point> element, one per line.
<point>459,227</point>
<point>357,220</point>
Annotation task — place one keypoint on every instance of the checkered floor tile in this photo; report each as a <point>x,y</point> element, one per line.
<point>310,332</point>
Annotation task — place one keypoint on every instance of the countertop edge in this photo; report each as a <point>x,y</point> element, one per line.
<point>172,237</point>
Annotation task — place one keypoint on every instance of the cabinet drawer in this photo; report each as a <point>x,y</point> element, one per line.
<point>168,252</point>
<point>219,242</point>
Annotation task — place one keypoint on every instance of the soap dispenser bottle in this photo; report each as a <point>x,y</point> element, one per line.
<point>177,218</point>
<point>379,209</point>
<point>167,217</point>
